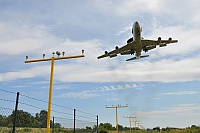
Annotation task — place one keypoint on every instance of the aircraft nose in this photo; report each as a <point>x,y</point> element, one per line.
<point>136,24</point>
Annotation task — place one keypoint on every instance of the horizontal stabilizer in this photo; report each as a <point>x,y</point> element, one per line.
<point>134,58</point>
<point>102,56</point>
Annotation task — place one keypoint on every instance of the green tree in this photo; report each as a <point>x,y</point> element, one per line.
<point>193,126</point>
<point>42,118</point>
<point>88,128</point>
<point>2,121</point>
<point>94,127</point>
<point>57,125</point>
<point>107,126</point>
<point>103,130</point>
<point>23,119</point>
<point>120,127</point>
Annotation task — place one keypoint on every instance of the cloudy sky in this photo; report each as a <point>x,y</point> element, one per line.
<point>162,90</point>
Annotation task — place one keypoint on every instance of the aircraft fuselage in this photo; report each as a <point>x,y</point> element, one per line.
<point>137,37</point>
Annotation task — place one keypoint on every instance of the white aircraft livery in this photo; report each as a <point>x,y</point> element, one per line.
<point>136,44</point>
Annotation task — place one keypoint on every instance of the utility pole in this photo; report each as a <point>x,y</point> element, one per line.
<point>116,107</point>
<point>130,121</point>
<point>51,77</point>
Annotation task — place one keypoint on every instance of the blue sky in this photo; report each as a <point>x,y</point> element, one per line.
<point>162,90</point>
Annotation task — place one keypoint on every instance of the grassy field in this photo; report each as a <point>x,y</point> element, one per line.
<point>33,130</point>
<point>41,130</point>
<point>62,130</point>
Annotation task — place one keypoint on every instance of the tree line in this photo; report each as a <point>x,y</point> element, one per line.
<point>25,119</point>
<point>106,127</point>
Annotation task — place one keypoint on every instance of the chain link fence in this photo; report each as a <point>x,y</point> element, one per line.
<point>19,114</point>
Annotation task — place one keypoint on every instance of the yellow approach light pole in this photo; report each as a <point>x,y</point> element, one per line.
<point>116,107</point>
<point>136,121</point>
<point>51,77</point>
<point>130,120</point>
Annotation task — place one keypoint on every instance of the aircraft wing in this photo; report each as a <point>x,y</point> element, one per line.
<point>151,44</point>
<point>102,56</point>
<point>146,42</point>
<point>123,50</point>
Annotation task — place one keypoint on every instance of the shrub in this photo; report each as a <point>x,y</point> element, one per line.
<point>27,130</point>
<point>103,130</point>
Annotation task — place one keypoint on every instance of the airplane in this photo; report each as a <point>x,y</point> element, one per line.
<point>136,44</point>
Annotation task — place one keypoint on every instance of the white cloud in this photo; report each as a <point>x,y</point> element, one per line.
<point>174,116</point>
<point>160,9</point>
<point>118,87</point>
<point>112,99</point>
<point>180,93</point>
<point>28,73</point>
<point>18,39</point>
<point>180,110</point>
<point>81,95</point>
<point>92,71</point>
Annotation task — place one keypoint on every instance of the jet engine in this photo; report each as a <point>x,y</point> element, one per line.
<point>126,52</point>
<point>163,45</point>
<point>106,53</point>
<point>170,39</point>
<point>113,55</point>
<point>159,40</point>
<point>117,48</point>
<point>130,40</point>
<point>146,49</point>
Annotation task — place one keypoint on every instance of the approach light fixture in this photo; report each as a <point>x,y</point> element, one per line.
<point>58,53</point>
<point>53,54</point>
<point>63,53</point>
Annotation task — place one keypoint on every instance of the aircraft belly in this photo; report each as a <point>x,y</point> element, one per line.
<point>138,49</point>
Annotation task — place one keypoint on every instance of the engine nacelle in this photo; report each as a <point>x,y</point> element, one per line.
<point>145,49</point>
<point>151,47</point>
<point>126,53</point>
<point>113,55</point>
<point>170,39</point>
<point>117,49</point>
<point>106,52</point>
<point>130,40</point>
<point>159,40</point>
<point>163,45</point>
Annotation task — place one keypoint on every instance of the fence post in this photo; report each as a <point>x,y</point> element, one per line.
<point>53,125</point>
<point>15,113</point>
<point>97,123</point>
<point>74,120</point>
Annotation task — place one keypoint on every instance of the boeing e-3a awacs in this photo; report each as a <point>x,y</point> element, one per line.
<point>136,44</point>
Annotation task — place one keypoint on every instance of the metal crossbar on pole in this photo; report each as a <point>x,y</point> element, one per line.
<point>51,78</point>
<point>56,58</point>
<point>116,107</point>
<point>130,120</point>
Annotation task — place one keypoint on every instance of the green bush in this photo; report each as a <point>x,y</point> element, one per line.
<point>27,130</point>
<point>103,130</point>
